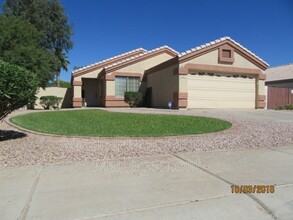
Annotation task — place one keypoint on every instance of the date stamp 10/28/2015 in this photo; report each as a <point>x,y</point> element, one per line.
<point>252,188</point>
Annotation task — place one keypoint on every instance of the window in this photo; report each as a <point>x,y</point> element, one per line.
<point>125,84</point>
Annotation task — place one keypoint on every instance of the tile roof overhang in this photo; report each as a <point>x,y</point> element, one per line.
<point>106,62</point>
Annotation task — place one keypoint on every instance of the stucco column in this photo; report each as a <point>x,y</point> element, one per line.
<point>77,94</point>
<point>181,96</point>
<point>261,95</point>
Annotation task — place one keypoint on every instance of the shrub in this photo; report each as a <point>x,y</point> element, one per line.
<point>17,88</point>
<point>133,98</point>
<point>50,102</point>
<point>284,107</point>
<point>280,107</point>
<point>288,107</point>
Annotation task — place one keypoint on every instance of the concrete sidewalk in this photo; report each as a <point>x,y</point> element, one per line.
<point>184,186</point>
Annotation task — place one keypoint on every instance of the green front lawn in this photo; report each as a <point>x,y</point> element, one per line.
<point>99,123</point>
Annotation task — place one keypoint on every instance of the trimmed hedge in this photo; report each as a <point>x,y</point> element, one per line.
<point>17,88</point>
<point>133,98</point>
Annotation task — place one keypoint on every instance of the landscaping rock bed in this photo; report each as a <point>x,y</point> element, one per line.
<point>24,148</point>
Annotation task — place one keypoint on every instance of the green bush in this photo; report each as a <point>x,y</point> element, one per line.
<point>48,102</point>
<point>133,98</point>
<point>17,88</point>
<point>284,107</point>
<point>280,107</point>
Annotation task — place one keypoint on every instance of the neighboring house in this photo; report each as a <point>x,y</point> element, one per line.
<point>279,83</point>
<point>219,74</point>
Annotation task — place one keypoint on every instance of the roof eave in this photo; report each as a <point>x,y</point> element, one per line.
<point>203,49</point>
<point>106,62</point>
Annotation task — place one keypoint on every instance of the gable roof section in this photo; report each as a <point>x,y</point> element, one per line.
<point>103,63</point>
<point>198,51</point>
<point>278,73</point>
<point>139,57</point>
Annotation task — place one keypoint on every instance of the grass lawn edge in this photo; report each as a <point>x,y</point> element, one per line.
<point>13,122</point>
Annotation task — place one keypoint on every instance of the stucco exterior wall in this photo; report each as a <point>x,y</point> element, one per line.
<point>138,67</point>
<point>63,93</point>
<point>110,88</point>
<point>94,74</point>
<point>77,91</point>
<point>164,84</point>
<point>183,83</point>
<point>141,66</point>
<point>261,87</point>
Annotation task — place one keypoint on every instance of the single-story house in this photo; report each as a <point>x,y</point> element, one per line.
<point>219,74</point>
<point>279,84</point>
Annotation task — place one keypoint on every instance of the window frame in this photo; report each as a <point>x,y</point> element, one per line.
<point>127,89</point>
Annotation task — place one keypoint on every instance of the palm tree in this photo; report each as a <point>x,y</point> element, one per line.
<point>63,64</point>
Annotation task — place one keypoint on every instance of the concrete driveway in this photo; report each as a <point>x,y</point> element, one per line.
<point>183,186</point>
<point>261,115</point>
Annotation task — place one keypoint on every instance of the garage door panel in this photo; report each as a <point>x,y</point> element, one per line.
<point>221,104</point>
<point>226,90</point>
<point>221,96</point>
<point>220,92</point>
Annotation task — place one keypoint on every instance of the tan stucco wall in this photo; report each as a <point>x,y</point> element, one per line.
<point>261,87</point>
<point>94,74</point>
<point>211,58</point>
<point>140,67</point>
<point>183,83</point>
<point>164,83</point>
<point>110,88</point>
<point>77,91</point>
<point>63,93</point>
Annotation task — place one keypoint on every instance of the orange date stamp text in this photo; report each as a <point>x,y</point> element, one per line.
<point>252,188</point>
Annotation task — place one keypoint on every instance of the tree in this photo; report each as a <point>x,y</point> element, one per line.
<point>20,45</point>
<point>63,84</point>
<point>17,88</point>
<point>49,18</point>
<point>77,67</point>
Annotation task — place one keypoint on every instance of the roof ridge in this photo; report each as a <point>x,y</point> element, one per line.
<point>218,41</point>
<point>140,55</point>
<point>108,59</point>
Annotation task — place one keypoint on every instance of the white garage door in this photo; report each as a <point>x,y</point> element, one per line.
<point>220,91</point>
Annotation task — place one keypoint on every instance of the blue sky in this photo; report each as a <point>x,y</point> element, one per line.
<point>105,28</point>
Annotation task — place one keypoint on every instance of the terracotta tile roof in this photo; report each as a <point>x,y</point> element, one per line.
<point>140,55</point>
<point>109,59</point>
<point>280,72</point>
<point>218,41</point>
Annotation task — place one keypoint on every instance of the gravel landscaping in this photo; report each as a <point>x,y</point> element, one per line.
<point>18,148</point>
